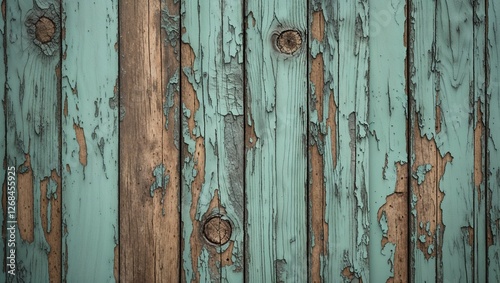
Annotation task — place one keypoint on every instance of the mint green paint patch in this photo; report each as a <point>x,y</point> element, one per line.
<point>419,175</point>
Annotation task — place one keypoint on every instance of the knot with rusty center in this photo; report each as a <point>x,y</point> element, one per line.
<point>44,29</point>
<point>217,230</point>
<point>289,41</point>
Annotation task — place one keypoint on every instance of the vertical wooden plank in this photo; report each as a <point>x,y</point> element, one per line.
<point>346,173</point>
<point>479,82</point>
<point>33,128</point>
<point>493,141</point>
<point>388,148</point>
<point>149,174</point>
<point>323,86</point>
<point>212,134</point>
<point>90,140</point>
<point>443,117</point>
<point>169,236</point>
<point>424,185</point>
<point>3,134</point>
<point>276,141</point>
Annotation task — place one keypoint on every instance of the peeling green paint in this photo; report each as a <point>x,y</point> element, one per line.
<point>3,131</point>
<point>32,118</point>
<point>90,193</point>
<point>212,31</point>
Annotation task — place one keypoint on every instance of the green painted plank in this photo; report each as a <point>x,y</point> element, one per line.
<point>33,128</point>
<point>443,189</point>
<point>90,140</point>
<point>323,87</point>
<point>479,79</point>
<point>423,244</point>
<point>3,135</point>
<point>347,213</point>
<point>276,153</point>
<point>388,155</point>
<point>212,101</point>
<point>493,141</point>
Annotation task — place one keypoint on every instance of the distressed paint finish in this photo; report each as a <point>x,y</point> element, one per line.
<point>212,137</point>
<point>32,109</point>
<point>493,141</point>
<point>347,212</point>
<point>388,140</point>
<point>149,109</point>
<point>446,107</point>
<point>90,140</point>
<point>276,153</point>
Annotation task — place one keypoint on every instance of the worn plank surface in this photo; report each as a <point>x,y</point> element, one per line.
<point>90,140</point>
<point>149,157</point>
<point>33,128</point>
<point>388,164</point>
<point>445,110</point>
<point>276,152</point>
<point>212,140</point>
<point>493,141</point>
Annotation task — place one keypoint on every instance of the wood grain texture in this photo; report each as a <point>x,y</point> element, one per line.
<point>149,155</point>
<point>493,141</point>
<point>33,128</point>
<point>212,137</point>
<point>169,236</point>
<point>388,164</point>
<point>276,155</point>
<point>347,213</point>
<point>443,163</point>
<point>90,140</point>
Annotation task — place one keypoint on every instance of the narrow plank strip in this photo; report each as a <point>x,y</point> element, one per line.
<point>479,78</point>
<point>493,141</point>
<point>3,135</point>
<point>90,140</point>
<point>212,101</point>
<point>146,174</point>
<point>388,155</point>
<point>169,236</point>
<point>33,128</point>
<point>454,66</point>
<point>323,74</point>
<point>347,212</point>
<point>443,186</point>
<point>425,180</point>
<point>276,153</point>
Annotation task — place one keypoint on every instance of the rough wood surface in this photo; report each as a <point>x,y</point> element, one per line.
<point>149,158</point>
<point>212,137</point>
<point>90,140</point>
<point>33,128</point>
<point>276,153</point>
<point>446,107</point>
<point>3,135</point>
<point>388,126</point>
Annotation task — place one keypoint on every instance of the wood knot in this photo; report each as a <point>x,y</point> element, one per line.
<point>44,29</point>
<point>289,41</point>
<point>217,230</point>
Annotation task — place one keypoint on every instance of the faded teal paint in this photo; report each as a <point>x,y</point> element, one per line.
<point>90,190</point>
<point>213,31</point>
<point>347,192</point>
<point>388,107</point>
<point>493,141</point>
<point>276,164</point>
<point>32,119</point>
<point>3,134</point>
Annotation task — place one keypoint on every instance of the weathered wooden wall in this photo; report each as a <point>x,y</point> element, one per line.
<point>251,140</point>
